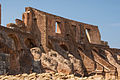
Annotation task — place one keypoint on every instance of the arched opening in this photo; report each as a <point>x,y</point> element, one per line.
<point>64,47</point>
<point>14,41</point>
<point>30,43</point>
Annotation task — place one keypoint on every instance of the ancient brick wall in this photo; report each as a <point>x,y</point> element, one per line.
<point>42,42</point>
<point>36,25</point>
<point>16,44</point>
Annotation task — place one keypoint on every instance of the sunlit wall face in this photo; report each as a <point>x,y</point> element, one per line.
<point>103,13</point>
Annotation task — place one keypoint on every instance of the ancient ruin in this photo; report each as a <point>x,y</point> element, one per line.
<point>42,42</point>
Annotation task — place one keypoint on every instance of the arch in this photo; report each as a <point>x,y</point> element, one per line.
<point>11,56</point>
<point>64,47</point>
<point>15,42</point>
<point>30,43</point>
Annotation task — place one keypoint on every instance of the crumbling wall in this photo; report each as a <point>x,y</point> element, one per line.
<point>42,42</point>
<point>68,37</point>
<point>36,25</point>
<point>13,43</point>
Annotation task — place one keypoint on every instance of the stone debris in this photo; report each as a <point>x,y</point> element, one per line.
<point>46,76</point>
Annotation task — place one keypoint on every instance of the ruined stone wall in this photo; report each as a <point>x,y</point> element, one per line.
<point>42,42</point>
<point>16,44</point>
<point>72,40</point>
<point>93,34</point>
<point>36,25</point>
<point>43,25</point>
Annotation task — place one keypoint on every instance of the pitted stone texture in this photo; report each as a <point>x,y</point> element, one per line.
<point>4,63</point>
<point>47,76</point>
<point>19,23</point>
<point>25,60</point>
<point>11,25</point>
<point>53,61</point>
<point>36,52</point>
<point>78,70</point>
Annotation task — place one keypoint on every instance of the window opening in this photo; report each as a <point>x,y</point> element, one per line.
<point>57,27</point>
<point>88,34</point>
<point>64,47</point>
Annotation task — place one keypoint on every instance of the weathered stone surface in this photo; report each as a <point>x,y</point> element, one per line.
<point>42,42</point>
<point>20,23</point>
<point>64,65</point>
<point>4,63</point>
<point>36,52</point>
<point>25,61</point>
<point>48,76</point>
<point>11,25</point>
<point>77,65</point>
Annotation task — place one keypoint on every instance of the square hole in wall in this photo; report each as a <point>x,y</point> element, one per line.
<point>57,27</point>
<point>88,34</point>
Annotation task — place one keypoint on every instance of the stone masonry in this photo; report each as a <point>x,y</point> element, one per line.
<point>42,42</point>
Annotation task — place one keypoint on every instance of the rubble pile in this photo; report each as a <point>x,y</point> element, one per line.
<point>46,76</point>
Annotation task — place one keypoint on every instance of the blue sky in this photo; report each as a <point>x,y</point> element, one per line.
<point>104,13</point>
